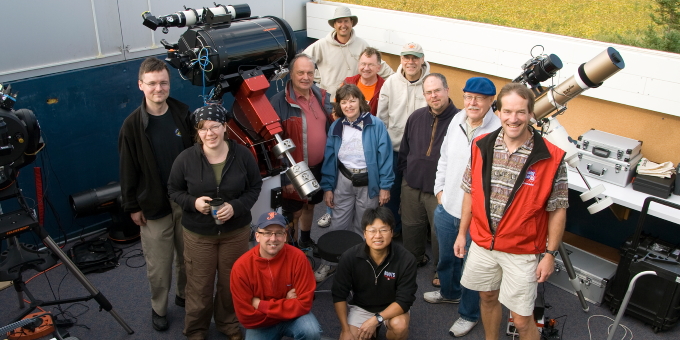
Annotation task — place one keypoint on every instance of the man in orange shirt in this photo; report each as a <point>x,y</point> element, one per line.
<point>368,80</point>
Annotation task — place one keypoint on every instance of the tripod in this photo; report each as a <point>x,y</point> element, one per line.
<point>20,258</point>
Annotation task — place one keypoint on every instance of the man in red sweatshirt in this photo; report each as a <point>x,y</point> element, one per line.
<point>273,285</point>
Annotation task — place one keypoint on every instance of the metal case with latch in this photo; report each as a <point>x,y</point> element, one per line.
<point>607,169</point>
<point>592,272</point>
<point>607,145</point>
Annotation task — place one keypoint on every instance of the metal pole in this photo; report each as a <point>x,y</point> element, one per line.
<point>624,303</point>
<point>96,294</point>
<point>572,277</point>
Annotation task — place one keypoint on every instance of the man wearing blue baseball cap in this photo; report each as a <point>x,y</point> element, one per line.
<point>273,285</point>
<point>476,119</point>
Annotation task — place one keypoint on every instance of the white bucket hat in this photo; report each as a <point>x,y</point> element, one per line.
<point>343,12</point>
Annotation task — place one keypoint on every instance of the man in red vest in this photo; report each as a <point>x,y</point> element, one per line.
<point>368,80</point>
<point>515,201</point>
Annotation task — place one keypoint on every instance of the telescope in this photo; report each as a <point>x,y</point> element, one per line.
<point>552,101</point>
<point>20,141</point>
<point>226,48</point>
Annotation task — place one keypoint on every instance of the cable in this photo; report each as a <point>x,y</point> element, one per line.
<point>625,328</point>
<point>43,272</point>
<point>131,255</point>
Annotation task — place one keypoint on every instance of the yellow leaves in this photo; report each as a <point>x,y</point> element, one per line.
<point>589,19</point>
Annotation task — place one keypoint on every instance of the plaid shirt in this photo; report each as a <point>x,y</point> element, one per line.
<point>505,168</point>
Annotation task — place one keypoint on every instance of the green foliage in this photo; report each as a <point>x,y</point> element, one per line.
<point>651,24</point>
<point>665,35</point>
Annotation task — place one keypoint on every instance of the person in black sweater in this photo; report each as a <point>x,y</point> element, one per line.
<point>382,277</point>
<point>216,167</point>
<point>150,139</point>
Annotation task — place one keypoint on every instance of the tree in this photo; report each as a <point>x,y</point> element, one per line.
<point>665,33</point>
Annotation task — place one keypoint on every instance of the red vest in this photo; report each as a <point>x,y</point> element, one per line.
<point>523,229</point>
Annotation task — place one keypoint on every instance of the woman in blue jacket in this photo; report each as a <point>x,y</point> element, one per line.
<point>357,166</point>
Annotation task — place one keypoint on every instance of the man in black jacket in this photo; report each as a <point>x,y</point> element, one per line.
<point>418,157</point>
<point>382,277</point>
<point>149,140</point>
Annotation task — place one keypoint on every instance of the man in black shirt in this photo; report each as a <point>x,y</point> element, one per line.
<point>382,276</point>
<point>149,140</point>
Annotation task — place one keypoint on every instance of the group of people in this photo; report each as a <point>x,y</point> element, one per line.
<point>392,154</point>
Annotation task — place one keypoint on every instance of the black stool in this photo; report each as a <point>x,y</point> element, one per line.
<point>332,244</point>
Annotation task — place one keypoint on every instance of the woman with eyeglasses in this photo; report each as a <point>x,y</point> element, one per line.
<point>220,172</point>
<point>357,166</point>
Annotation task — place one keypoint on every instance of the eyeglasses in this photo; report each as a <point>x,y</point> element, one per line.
<point>362,65</point>
<point>372,232</point>
<point>437,92</point>
<point>268,234</point>
<point>469,98</point>
<point>213,128</point>
<point>163,84</point>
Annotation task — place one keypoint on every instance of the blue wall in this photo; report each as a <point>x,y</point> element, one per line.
<point>81,131</point>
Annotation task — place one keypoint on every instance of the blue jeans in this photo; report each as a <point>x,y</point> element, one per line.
<point>395,194</point>
<point>305,327</point>
<point>450,267</point>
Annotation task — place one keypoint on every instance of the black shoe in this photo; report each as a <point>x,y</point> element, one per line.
<point>179,301</point>
<point>309,245</point>
<point>160,323</point>
<point>424,261</point>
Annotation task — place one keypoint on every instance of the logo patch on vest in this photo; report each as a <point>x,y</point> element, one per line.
<point>390,275</point>
<point>530,177</point>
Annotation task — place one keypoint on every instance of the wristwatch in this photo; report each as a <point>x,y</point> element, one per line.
<point>552,252</point>
<point>380,318</point>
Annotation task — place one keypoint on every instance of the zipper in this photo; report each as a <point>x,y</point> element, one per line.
<point>376,275</point>
<point>434,129</point>
<point>465,133</point>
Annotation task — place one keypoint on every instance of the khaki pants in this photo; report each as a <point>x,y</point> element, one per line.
<point>417,214</point>
<point>162,242</point>
<point>204,257</point>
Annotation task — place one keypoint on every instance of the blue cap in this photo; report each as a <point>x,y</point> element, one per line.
<point>480,85</point>
<point>271,218</point>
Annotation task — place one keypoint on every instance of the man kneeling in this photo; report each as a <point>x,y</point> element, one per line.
<point>273,286</point>
<point>382,278</point>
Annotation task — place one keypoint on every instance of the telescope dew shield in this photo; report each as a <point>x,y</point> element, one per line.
<point>591,74</point>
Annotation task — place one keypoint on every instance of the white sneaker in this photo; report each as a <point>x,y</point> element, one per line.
<point>324,221</point>
<point>461,327</point>
<point>323,271</point>
<point>436,297</point>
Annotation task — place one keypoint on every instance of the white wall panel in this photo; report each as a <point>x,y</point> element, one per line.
<point>56,35</point>
<point>650,80</point>
<point>44,37</point>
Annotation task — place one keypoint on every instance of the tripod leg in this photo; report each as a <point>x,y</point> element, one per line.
<point>572,277</point>
<point>20,293</point>
<point>98,296</point>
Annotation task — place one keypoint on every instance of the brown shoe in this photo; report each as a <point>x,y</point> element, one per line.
<point>235,336</point>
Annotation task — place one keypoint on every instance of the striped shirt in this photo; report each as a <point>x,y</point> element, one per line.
<point>505,169</point>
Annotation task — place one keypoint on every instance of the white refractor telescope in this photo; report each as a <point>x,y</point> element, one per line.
<point>552,102</point>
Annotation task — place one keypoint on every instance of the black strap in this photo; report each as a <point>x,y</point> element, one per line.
<point>344,171</point>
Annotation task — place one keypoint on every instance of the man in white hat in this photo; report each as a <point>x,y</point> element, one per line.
<point>400,95</point>
<point>337,55</point>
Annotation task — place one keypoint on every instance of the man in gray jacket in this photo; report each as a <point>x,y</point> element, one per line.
<point>476,119</point>
<point>401,94</point>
